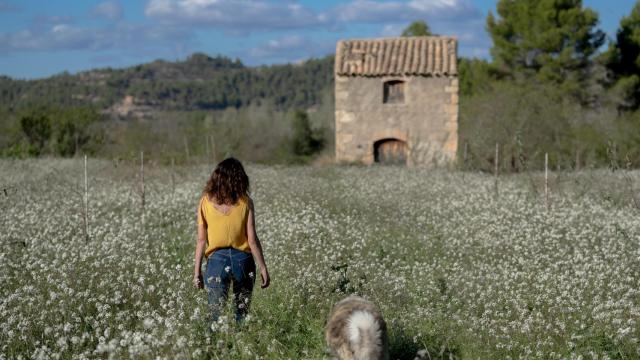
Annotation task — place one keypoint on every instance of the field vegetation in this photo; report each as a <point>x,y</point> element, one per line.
<point>459,270</point>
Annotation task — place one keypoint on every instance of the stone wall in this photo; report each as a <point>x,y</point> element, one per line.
<point>427,120</point>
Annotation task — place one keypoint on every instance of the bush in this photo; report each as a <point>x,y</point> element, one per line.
<point>529,119</point>
<point>36,126</point>
<point>304,142</point>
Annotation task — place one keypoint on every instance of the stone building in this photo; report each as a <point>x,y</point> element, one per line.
<point>397,100</point>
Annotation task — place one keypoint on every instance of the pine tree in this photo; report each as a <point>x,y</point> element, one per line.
<point>623,61</point>
<point>550,40</point>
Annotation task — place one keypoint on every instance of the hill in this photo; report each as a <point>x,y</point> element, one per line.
<point>200,82</point>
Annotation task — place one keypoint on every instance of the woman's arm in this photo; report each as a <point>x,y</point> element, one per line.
<point>256,247</point>
<point>201,242</point>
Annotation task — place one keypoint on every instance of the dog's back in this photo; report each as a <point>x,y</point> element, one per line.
<point>357,331</point>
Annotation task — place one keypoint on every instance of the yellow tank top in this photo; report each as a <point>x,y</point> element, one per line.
<point>224,230</point>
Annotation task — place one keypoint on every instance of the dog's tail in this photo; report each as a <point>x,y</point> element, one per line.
<point>364,335</point>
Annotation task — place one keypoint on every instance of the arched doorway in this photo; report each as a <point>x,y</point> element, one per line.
<point>390,152</point>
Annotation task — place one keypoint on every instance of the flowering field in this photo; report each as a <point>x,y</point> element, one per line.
<point>457,270</point>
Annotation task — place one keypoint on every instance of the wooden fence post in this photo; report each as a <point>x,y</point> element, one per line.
<point>466,146</point>
<point>173,179</point>
<point>495,167</point>
<point>142,195</point>
<point>86,202</point>
<point>546,180</point>
<point>186,147</point>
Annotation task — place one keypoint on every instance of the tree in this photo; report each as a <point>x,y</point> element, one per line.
<point>72,129</point>
<point>475,75</point>
<point>623,61</point>
<point>551,40</point>
<point>417,28</point>
<point>36,126</point>
<point>304,143</point>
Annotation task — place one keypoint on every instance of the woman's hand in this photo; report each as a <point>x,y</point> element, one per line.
<point>266,280</point>
<point>197,281</point>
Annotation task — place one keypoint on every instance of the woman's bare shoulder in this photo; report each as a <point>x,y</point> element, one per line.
<point>249,201</point>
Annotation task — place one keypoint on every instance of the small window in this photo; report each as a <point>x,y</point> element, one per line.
<point>393,92</point>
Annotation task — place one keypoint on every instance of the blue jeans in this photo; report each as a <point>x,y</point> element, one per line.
<point>224,267</point>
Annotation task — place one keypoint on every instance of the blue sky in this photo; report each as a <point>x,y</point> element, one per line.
<point>42,38</point>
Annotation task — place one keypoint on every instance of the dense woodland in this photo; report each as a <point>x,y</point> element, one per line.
<point>554,84</point>
<point>200,82</point>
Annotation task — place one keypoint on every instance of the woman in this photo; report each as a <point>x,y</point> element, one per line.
<point>227,237</point>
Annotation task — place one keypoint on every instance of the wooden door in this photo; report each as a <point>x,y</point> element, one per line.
<point>391,152</point>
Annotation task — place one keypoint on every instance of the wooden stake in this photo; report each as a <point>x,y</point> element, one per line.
<point>577,168</point>
<point>186,147</point>
<point>142,184</point>
<point>546,180</point>
<point>495,167</point>
<point>173,179</point>
<point>466,145</point>
<point>86,202</point>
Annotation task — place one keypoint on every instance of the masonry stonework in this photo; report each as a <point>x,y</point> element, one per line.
<point>425,122</point>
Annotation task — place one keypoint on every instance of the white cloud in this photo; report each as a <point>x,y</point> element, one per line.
<point>370,11</point>
<point>111,10</point>
<point>289,48</point>
<point>65,36</point>
<point>158,7</point>
<point>436,5</point>
<point>288,44</point>
<point>239,16</point>
<point>391,30</point>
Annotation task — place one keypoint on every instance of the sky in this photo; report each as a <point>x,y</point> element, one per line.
<point>46,37</point>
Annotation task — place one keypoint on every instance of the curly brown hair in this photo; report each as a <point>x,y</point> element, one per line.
<point>228,182</point>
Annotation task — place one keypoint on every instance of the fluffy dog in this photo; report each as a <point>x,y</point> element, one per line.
<point>357,331</point>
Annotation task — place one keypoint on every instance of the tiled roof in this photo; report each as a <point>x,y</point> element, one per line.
<point>419,55</point>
